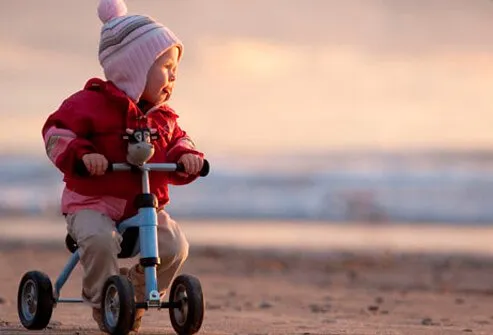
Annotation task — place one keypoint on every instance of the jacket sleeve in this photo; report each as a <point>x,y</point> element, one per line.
<point>65,135</point>
<point>181,144</point>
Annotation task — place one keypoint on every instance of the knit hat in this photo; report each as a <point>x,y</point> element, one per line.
<point>129,46</point>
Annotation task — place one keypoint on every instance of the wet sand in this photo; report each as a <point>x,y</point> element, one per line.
<point>290,290</point>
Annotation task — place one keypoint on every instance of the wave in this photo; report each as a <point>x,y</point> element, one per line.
<point>32,187</point>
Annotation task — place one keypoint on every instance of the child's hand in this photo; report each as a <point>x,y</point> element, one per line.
<point>96,164</point>
<point>192,163</point>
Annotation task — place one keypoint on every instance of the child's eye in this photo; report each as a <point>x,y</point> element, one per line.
<point>171,67</point>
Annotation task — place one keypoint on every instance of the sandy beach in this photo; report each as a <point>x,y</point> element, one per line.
<point>294,290</point>
<point>276,93</point>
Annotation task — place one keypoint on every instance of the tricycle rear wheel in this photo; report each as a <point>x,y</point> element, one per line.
<point>35,300</point>
<point>118,305</point>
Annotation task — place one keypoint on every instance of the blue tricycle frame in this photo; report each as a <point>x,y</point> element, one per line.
<point>37,297</point>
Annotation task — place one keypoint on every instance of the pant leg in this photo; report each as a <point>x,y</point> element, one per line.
<point>99,245</point>
<point>173,251</point>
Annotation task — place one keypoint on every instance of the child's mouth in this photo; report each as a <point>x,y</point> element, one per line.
<point>167,91</point>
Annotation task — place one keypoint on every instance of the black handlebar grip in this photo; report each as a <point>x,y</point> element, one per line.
<point>206,168</point>
<point>204,172</point>
<point>81,170</point>
<point>180,167</point>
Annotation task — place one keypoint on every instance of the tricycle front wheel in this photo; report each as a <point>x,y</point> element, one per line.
<point>187,317</point>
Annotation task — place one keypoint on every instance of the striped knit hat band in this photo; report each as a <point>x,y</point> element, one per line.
<point>129,46</point>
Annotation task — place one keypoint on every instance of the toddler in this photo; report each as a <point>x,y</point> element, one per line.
<point>139,57</point>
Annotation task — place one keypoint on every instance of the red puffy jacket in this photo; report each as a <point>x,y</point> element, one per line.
<point>94,120</point>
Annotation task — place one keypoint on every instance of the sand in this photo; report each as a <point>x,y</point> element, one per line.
<point>255,290</point>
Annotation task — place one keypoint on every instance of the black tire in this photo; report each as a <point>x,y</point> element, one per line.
<point>35,300</point>
<point>187,319</point>
<point>118,321</point>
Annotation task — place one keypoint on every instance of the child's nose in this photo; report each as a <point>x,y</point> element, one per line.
<point>172,77</point>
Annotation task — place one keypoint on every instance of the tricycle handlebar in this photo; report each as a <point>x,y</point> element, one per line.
<point>165,167</point>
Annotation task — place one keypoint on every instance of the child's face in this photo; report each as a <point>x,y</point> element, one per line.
<point>161,78</point>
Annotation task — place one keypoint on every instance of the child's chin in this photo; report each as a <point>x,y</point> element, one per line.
<point>162,99</point>
<point>165,97</point>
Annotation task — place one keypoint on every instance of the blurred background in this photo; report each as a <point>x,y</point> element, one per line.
<point>370,111</point>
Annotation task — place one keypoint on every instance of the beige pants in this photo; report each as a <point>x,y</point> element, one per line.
<point>99,245</point>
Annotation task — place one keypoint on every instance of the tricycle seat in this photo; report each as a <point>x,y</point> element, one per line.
<point>130,238</point>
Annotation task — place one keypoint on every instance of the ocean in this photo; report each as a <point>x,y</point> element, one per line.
<point>431,187</point>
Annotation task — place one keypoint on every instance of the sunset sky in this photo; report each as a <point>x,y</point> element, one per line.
<point>277,76</point>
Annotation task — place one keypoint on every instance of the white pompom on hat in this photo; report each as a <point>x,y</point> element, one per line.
<point>109,9</point>
<point>129,46</point>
